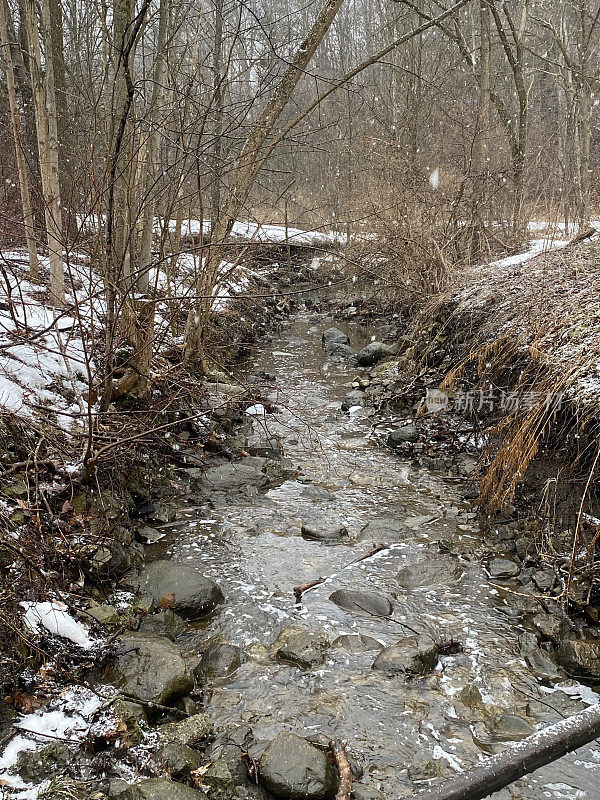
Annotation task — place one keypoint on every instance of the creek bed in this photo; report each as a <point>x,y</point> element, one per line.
<point>404,732</point>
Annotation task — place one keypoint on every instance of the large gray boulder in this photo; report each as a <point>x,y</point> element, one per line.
<point>150,669</point>
<point>373,353</point>
<point>160,789</point>
<point>191,594</point>
<point>415,655</point>
<point>293,769</point>
<point>233,477</point>
<point>362,602</point>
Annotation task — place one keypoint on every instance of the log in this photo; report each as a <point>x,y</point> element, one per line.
<point>530,754</point>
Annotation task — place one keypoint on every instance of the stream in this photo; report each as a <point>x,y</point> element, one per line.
<point>404,732</point>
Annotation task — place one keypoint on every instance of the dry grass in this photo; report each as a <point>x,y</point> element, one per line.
<point>532,329</point>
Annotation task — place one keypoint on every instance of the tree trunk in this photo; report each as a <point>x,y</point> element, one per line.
<point>247,168</point>
<point>28,219</point>
<point>151,172</point>
<point>585,139</point>
<point>217,127</point>
<point>45,113</point>
<point>523,758</point>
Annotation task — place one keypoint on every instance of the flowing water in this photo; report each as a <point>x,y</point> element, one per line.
<point>404,732</point>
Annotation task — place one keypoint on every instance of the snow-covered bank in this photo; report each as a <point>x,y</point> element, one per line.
<point>67,718</point>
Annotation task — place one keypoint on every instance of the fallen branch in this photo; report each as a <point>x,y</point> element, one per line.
<point>299,590</point>
<point>534,752</point>
<point>341,760</point>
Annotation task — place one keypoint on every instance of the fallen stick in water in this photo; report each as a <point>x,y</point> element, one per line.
<point>530,754</point>
<point>341,760</point>
<point>299,590</point>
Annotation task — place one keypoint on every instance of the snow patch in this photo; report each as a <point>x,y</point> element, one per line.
<point>53,617</point>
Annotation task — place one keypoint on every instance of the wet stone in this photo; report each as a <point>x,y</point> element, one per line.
<point>194,595</point>
<point>415,655</point>
<point>149,535</point>
<point>233,477</point>
<point>105,613</point>
<point>554,627</point>
<point>373,353</point>
<point>385,529</point>
<point>503,568</point>
<point>362,792</point>
<point>192,731</point>
<point>470,696</point>
<point>36,765</point>
<point>542,665</point>
<point>512,728</point>
<point>435,571</point>
<point>356,643</point>
<point>544,580</point>
<point>580,656</point>
<point>353,399</point>
<point>219,660</point>
<point>300,647</point>
<point>338,351</point>
<point>407,433</point>
<point>160,789</point>
<point>332,335</point>
<point>179,759</point>
<point>323,532</point>
<point>220,780</point>
<point>362,602</point>
<point>319,493</point>
<point>165,623</point>
<point>293,769</point>
<point>149,669</point>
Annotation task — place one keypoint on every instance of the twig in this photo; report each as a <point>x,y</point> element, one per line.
<point>338,749</point>
<point>299,590</point>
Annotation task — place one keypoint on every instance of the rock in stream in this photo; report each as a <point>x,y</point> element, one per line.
<point>293,769</point>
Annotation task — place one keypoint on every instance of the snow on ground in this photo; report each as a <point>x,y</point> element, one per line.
<point>55,619</point>
<point>536,246</point>
<point>42,353</point>
<point>263,232</point>
<point>45,361</point>
<point>66,718</point>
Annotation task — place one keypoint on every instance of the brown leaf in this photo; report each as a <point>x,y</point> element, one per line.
<point>168,601</point>
<point>23,702</point>
<point>66,506</point>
